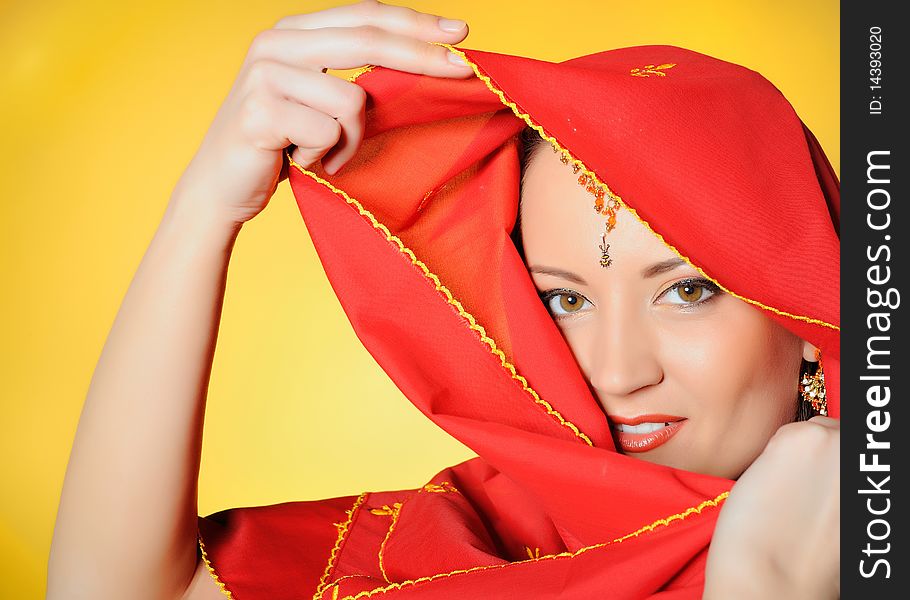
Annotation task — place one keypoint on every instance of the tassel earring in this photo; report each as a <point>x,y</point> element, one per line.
<point>812,387</point>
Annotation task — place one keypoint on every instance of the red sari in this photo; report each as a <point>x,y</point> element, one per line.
<point>709,155</point>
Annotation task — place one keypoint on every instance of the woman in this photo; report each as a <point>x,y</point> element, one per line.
<point>678,307</point>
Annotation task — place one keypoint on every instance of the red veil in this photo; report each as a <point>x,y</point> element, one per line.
<point>414,235</point>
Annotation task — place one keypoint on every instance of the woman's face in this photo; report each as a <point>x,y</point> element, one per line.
<point>697,379</point>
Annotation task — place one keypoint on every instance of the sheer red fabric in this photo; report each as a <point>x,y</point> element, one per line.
<point>414,235</point>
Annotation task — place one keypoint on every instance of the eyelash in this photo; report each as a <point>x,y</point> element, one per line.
<point>695,282</point>
<point>549,295</point>
<point>705,284</point>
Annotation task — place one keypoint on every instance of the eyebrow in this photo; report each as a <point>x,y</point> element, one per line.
<point>651,271</point>
<point>662,267</point>
<point>567,275</point>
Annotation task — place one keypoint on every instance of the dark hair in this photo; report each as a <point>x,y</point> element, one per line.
<point>530,142</point>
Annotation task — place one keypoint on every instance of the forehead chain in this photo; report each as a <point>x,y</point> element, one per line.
<point>604,204</point>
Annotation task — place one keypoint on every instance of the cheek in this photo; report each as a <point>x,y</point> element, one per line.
<point>703,353</point>
<point>767,372</point>
<point>738,373</point>
<point>582,341</point>
<point>740,356</point>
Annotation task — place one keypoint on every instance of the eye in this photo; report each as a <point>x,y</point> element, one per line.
<point>564,302</point>
<point>690,291</point>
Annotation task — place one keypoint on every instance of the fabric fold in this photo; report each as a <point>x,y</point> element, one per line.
<point>415,235</point>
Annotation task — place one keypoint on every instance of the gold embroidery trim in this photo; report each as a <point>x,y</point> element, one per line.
<point>395,511</point>
<point>211,569</point>
<point>335,585</point>
<point>473,324</point>
<point>441,487</point>
<point>364,69</point>
<point>559,148</point>
<point>384,511</point>
<point>343,529</point>
<point>665,522</point>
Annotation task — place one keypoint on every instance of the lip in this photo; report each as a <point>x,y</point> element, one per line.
<point>643,442</point>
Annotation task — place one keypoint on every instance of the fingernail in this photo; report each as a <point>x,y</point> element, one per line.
<point>456,60</point>
<point>451,25</point>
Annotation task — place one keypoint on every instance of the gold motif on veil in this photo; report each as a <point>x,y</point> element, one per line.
<point>648,70</point>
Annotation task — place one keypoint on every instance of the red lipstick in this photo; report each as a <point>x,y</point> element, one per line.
<point>644,432</point>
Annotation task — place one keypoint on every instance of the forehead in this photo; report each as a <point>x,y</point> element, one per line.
<point>560,227</point>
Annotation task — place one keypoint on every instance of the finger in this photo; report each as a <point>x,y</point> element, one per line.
<point>825,422</point>
<point>395,19</point>
<point>331,95</point>
<point>342,100</point>
<point>352,129</point>
<point>311,131</point>
<point>349,48</point>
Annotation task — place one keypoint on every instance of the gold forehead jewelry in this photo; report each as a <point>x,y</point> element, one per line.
<point>605,260</point>
<point>812,387</point>
<point>605,203</point>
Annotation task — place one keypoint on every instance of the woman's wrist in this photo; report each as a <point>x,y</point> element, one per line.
<point>194,221</point>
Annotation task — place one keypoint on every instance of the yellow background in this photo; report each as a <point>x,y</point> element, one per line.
<point>102,105</point>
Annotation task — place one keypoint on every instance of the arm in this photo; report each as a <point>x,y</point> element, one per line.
<point>131,483</point>
<point>126,525</point>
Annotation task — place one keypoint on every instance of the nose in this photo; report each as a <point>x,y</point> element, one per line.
<point>623,354</point>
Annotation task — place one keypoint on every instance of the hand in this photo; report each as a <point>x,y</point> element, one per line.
<point>778,534</point>
<point>282,96</point>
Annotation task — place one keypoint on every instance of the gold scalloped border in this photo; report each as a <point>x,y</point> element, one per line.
<point>560,148</point>
<point>435,488</point>
<point>364,69</point>
<point>343,529</point>
<point>665,522</point>
<point>211,569</point>
<point>473,324</point>
<point>396,510</point>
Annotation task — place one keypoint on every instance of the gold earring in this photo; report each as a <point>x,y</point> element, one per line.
<point>812,387</point>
